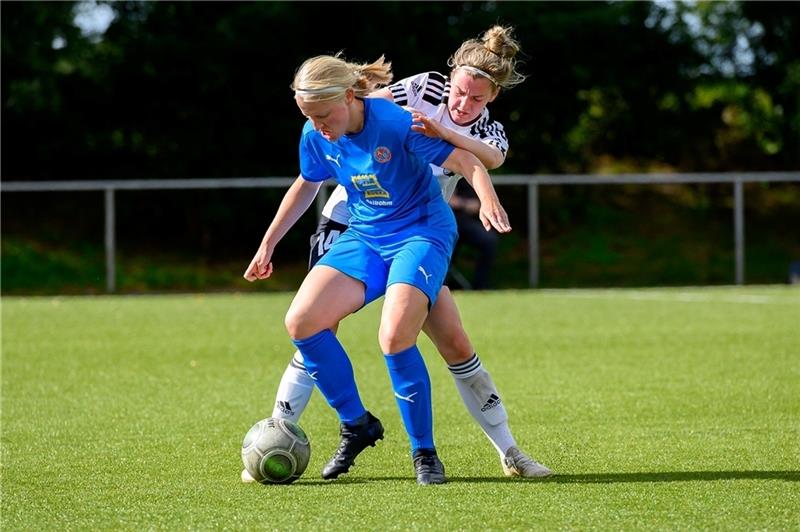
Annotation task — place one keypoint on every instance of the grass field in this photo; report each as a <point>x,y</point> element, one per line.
<point>659,409</point>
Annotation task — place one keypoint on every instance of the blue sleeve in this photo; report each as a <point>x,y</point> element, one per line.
<point>430,150</point>
<point>311,166</point>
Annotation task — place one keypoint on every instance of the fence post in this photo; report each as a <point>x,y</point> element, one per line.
<point>738,228</point>
<point>111,273</point>
<point>533,234</point>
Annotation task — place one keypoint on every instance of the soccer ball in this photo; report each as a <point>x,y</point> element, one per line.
<point>275,451</point>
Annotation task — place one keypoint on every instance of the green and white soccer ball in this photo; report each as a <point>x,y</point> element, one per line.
<point>275,451</point>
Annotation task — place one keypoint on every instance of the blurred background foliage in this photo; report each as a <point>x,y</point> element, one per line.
<point>119,90</point>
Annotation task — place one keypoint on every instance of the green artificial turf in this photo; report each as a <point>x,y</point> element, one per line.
<point>658,409</point>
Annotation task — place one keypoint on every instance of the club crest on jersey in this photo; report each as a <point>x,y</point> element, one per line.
<point>382,154</point>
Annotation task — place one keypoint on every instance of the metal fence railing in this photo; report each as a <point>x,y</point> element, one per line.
<point>532,182</point>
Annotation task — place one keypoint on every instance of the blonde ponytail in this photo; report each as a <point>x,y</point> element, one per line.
<point>327,77</point>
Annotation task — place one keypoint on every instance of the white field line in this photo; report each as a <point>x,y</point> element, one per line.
<point>689,297</point>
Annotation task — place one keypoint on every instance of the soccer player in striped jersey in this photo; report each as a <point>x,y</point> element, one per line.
<point>452,108</point>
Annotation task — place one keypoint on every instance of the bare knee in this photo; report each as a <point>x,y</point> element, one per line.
<point>392,339</point>
<point>301,324</point>
<point>294,324</point>
<point>298,324</point>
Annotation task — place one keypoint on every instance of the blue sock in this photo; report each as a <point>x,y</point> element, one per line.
<point>327,363</point>
<point>412,389</point>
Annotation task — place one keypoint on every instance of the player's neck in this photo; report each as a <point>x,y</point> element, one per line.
<point>356,123</point>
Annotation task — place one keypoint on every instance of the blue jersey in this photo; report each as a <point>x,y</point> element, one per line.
<point>391,191</point>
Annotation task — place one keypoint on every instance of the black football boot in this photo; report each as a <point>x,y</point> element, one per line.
<point>430,470</point>
<point>354,440</point>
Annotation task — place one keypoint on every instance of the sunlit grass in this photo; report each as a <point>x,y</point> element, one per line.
<point>671,408</point>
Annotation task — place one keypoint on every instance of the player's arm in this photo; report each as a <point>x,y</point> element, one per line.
<point>490,156</point>
<point>295,202</point>
<point>492,213</point>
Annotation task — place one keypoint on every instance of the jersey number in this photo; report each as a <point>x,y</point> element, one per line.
<point>324,242</point>
<point>369,185</point>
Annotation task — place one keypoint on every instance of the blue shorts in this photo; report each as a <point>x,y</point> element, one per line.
<point>417,261</point>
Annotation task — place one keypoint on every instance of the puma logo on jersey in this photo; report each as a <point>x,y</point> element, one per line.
<point>406,398</point>
<point>336,160</point>
<point>312,375</point>
<point>426,274</point>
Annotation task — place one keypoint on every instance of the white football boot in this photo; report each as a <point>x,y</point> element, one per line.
<point>518,464</point>
<point>246,477</point>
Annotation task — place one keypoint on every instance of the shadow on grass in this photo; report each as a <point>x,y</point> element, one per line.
<point>597,478</point>
<point>673,476</point>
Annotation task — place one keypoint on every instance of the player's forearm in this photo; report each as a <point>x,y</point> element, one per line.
<point>295,202</point>
<point>488,155</point>
<point>468,165</point>
<point>482,183</point>
<point>491,212</point>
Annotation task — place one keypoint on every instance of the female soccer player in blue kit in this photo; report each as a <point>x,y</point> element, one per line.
<point>453,108</point>
<point>399,243</point>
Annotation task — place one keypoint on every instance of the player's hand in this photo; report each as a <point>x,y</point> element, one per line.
<point>428,127</point>
<point>261,265</point>
<point>494,215</point>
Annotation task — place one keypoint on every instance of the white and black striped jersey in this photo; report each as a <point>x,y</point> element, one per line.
<point>429,93</point>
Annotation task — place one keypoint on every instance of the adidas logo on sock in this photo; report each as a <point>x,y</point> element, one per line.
<point>492,402</point>
<point>284,407</point>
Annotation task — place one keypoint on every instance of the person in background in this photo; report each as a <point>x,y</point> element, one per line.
<point>465,206</point>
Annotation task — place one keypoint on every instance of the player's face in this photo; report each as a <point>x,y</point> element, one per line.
<point>468,96</point>
<point>330,118</point>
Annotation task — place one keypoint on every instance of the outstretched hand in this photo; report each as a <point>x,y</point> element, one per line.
<point>261,265</point>
<point>494,215</point>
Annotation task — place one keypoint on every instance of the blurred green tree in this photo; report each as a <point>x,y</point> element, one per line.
<point>201,89</point>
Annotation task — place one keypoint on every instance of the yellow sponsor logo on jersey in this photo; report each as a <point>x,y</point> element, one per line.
<point>369,185</point>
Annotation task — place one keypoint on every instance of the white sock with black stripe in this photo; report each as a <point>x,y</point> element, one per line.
<point>294,390</point>
<point>483,402</point>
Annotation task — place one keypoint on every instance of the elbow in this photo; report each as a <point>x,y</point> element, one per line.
<point>496,160</point>
<point>465,162</point>
<point>493,164</point>
<point>458,161</point>
<point>468,160</point>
